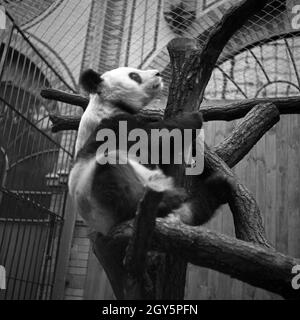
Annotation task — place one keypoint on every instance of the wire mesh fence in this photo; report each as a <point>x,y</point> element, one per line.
<point>34,165</point>
<point>261,59</point>
<point>107,34</point>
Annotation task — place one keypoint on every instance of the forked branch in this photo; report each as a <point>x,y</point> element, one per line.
<point>253,264</point>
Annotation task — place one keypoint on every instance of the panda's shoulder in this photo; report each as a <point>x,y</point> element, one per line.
<point>112,123</point>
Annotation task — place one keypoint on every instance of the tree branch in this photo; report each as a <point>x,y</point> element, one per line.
<point>61,96</point>
<point>60,123</point>
<point>237,110</point>
<point>246,214</point>
<point>136,253</point>
<point>257,122</point>
<point>228,112</point>
<point>258,266</point>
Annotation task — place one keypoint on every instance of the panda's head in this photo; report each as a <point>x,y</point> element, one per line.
<point>133,88</point>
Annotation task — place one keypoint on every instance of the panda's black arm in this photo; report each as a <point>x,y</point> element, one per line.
<point>191,120</point>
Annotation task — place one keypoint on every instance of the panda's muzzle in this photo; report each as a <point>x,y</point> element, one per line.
<point>158,84</point>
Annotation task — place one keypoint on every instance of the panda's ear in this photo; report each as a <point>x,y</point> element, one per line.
<point>89,80</point>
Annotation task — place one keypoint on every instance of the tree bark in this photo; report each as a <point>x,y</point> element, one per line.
<point>173,286</point>
<point>190,80</point>
<point>230,112</point>
<point>61,96</point>
<point>227,112</point>
<point>248,262</point>
<point>60,123</point>
<point>246,214</point>
<point>138,283</point>
<point>237,110</point>
<point>257,122</point>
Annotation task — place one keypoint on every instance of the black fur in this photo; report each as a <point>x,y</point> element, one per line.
<point>124,107</point>
<point>119,190</point>
<point>186,121</point>
<point>135,77</point>
<point>172,199</point>
<point>117,187</point>
<point>90,80</point>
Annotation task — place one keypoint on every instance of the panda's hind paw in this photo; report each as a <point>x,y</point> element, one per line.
<point>159,182</point>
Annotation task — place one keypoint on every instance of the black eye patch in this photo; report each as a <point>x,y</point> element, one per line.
<point>136,77</point>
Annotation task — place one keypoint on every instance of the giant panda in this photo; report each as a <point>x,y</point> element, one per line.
<point>108,194</point>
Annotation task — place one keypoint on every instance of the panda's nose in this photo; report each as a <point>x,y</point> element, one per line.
<point>158,74</point>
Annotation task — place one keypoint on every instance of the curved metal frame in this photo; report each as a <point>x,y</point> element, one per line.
<point>274,82</point>
<point>269,81</point>
<point>63,64</point>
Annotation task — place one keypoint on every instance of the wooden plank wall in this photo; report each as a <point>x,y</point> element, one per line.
<point>78,263</point>
<point>272,172</point>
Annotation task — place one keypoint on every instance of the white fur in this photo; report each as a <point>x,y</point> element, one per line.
<point>116,86</point>
<point>80,179</point>
<point>92,116</point>
<point>119,86</point>
<point>97,218</point>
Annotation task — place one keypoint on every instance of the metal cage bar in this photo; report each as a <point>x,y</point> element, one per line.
<point>32,197</point>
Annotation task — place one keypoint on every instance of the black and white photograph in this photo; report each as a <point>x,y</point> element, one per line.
<point>149,151</point>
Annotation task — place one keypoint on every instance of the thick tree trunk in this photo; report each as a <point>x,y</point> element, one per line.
<point>190,80</point>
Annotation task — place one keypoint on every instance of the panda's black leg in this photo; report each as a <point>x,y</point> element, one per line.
<point>172,200</point>
<point>221,186</point>
<point>193,120</point>
<point>208,196</point>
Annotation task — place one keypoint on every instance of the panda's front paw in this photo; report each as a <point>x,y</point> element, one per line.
<point>197,119</point>
<point>192,120</point>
